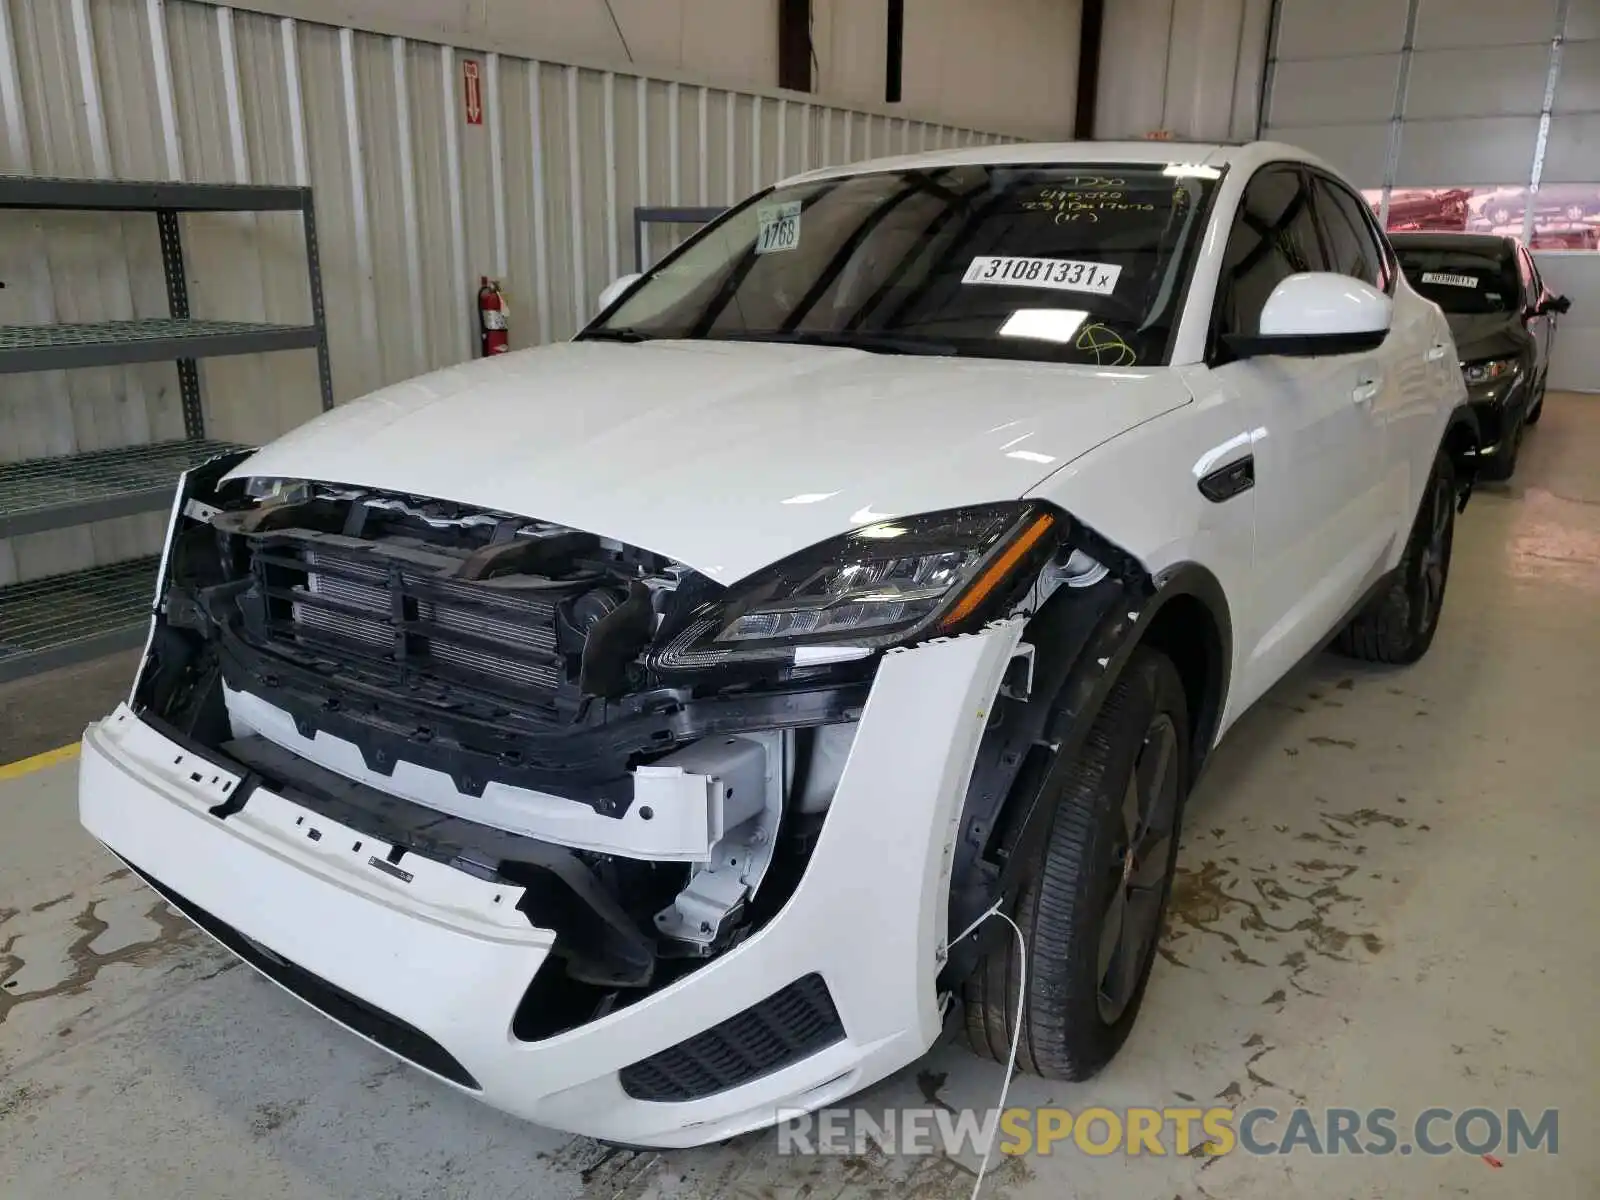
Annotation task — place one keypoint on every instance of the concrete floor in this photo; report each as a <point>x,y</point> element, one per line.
<point>1387,898</point>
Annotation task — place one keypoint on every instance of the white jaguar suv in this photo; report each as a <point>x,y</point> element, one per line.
<point>635,732</point>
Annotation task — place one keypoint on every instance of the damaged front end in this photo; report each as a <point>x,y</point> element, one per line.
<point>648,754</point>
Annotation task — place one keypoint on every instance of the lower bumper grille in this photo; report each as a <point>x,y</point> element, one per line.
<point>388,1031</point>
<point>786,1027</point>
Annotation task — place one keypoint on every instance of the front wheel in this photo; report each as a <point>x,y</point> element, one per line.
<point>1398,624</point>
<point>1537,410</point>
<point>1093,900</point>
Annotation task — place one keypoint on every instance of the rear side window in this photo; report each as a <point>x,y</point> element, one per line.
<point>1274,235</point>
<point>1352,248</point>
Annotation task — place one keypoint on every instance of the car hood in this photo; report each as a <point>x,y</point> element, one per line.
<point>1487,335</point>
<point>726,456</point>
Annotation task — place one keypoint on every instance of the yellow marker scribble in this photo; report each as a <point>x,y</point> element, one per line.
<point>1106,345</point>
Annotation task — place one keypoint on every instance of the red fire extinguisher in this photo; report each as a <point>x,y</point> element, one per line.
<point>492,313</point>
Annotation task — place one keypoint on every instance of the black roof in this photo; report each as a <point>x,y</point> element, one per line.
<point>1482,243</point>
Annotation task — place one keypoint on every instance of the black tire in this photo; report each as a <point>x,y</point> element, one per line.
<point>1537,410</point>
<point>1397,626</point>
<point>1072,1026</point>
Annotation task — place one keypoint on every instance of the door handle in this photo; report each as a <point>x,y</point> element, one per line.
<point>1366,391</point>
<point>1438,352</point>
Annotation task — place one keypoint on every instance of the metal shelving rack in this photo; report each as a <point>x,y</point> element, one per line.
<point>62,619</point>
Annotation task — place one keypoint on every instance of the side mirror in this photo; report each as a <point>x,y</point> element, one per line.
<point>1318,312</point>
<point>613,291</point>
<point>1560,304</point>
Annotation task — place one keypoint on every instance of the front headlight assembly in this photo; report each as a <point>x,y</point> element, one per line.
<point>1490,370</point>
<point>878,586</point>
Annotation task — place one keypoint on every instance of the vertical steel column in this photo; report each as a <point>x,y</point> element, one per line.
<point>1269,71</point>
<point>319,314</point>
<point>1091,29</point>
<point>194,421</point>
<point>1542,141</point>
<point>1391,158</point>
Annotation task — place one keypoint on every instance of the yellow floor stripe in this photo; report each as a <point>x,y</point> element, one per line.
<point>37,762</point>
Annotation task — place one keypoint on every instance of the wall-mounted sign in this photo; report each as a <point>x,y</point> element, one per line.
<point>473,90</point>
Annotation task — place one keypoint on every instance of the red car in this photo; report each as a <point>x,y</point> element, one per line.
<point>1443,210</point>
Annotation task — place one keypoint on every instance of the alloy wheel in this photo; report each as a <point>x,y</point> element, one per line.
<point>1138,868</point>
<point>1434,561</point>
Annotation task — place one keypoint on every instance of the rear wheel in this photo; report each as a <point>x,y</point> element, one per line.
<point>1397,626</point>
<point>1093,901</point>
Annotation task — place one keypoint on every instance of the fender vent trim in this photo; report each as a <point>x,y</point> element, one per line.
<point>1229,481</point>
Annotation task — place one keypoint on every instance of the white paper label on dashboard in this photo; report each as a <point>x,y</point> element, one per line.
<point>1057,274</point>
<point>1449,280</point>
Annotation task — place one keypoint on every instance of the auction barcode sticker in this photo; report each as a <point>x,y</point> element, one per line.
<point>1058,274</point>
<point>1449,280</point>
<point>780,227</point>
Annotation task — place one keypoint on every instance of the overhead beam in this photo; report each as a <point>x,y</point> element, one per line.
<point>794,45</point>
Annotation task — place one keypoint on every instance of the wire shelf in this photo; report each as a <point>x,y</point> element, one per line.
<point>149,339</point>
<point>67,618</point>
<point>53,493</point>
<point>133,195</point>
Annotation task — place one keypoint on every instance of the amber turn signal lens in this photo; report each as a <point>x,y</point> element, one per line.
<point>997,571</point>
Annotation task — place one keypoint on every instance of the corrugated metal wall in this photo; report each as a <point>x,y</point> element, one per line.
<point>413,204</point>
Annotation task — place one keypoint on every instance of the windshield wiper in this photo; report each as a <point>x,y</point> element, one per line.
<point>617,334</point>
<point>873,343</point>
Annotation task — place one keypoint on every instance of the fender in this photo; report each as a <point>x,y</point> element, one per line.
<point>1082,642</point>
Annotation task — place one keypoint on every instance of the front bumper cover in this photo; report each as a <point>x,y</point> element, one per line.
<point>450,957</point>
<point>1497,409</point>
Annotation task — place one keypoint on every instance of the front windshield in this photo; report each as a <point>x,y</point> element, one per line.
<point>1460,280</point>
<point>1078,264</point>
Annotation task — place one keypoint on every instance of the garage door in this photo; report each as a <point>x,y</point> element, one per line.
<point>1482,115</point>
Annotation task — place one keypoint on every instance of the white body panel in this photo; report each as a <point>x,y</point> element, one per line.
<point>444,955</point>
<point>1320,457</point>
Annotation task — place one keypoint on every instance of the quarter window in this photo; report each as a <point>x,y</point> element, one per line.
<point>1352,250</point>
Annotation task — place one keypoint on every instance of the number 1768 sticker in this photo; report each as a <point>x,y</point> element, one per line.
<point>779,227</point>
<point>1058,274</point>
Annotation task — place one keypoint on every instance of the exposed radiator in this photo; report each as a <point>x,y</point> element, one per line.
<point>389,610</point>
